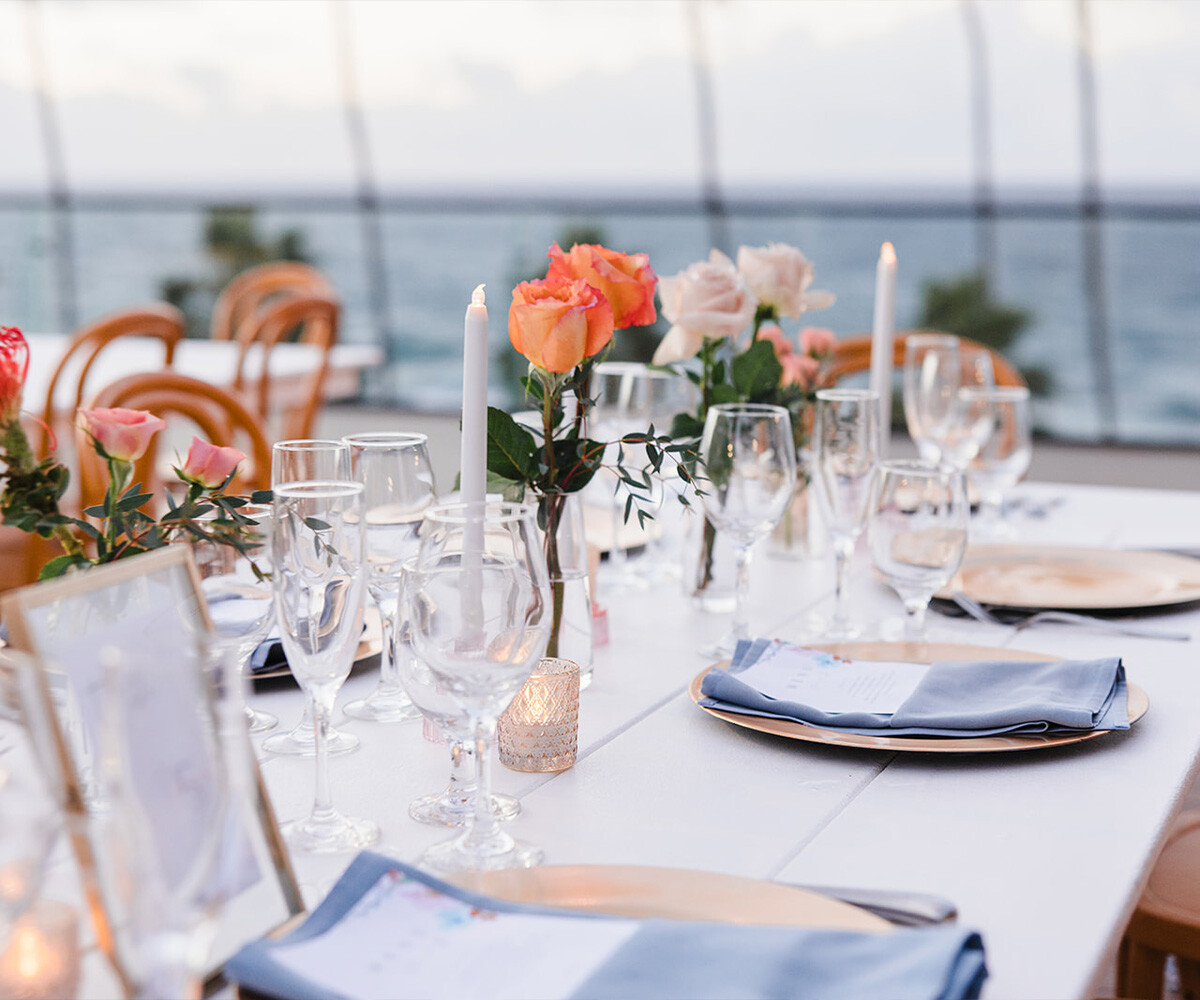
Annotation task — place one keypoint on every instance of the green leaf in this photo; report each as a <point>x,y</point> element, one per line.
<point>316,524</point>
<point>510,447</point>
<point>132,501</point>
<point>723,393</point>
<point>59,565</point>
<point>261,496</point>
<point>757,371</point>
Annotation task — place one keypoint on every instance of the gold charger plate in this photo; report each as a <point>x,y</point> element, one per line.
<point>1074,578</point>
<point>1137,703</point>
<point>672,893</point>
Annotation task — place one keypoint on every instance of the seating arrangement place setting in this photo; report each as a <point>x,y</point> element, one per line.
<point>696,681</point>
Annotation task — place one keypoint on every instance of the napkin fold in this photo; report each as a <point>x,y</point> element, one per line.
<point>972,698</point>
<point>666,958</point>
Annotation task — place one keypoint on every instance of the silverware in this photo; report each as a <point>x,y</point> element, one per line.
<point>1024,619</point>
<point>905,909</point>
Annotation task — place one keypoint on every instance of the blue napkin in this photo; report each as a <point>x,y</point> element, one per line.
<point>682,958</point>
<point>984,698</point>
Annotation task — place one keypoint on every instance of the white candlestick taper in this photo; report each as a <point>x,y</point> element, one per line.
<point>883,332</point>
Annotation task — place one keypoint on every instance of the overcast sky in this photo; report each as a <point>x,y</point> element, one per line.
<point>592,97</point>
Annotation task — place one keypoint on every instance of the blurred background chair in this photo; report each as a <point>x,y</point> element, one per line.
<point>189,406</point>
<point>853,355</point>
<point>317,319</point>
<point>252,289</point>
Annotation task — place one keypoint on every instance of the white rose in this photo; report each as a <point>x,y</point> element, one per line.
<point>779,276</point>
<point>708,300</point>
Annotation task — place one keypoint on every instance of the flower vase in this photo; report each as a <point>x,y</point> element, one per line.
<point>709,565</point>
<point>565,544</point>
<point>798,534</point>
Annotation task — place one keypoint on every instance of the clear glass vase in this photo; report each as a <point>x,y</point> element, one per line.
<point>562,522</point>
<point>709,565</point>
<point>799,535</point>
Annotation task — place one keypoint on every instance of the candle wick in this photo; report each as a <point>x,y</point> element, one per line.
<point>477,298</point>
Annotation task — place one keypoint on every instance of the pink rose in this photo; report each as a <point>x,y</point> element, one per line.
<point>14,363</point>
<point>816,341</point>
<point>208,465</point>
<point>626,280</point>
<point>779,276</point>
<point>121,434</point>
<point>772,332</point>
<point>709,300</point>
<point>799,370</point>
<point>556,322</point>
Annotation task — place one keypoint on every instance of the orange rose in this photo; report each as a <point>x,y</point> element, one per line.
<point>557,323</point>
<point>626,280</point>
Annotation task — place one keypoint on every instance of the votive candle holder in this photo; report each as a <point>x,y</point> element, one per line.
<point>539,731</point>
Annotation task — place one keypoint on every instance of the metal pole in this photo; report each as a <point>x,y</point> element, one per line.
<point>61,238</point>
<point>367,194</point>
<point>986,249</point>
<point>714,203</point>
<point>1105,383</point>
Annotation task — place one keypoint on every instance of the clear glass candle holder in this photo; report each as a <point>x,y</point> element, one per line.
<point>539,731</point>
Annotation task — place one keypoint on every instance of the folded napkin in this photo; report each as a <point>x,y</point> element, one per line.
<point>268,656</point>
<point>979,698</point>
<point>630,960</point>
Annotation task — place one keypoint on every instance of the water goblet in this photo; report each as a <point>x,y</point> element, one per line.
<point>846,448</point>
<point>396,472</point>
<point>917,531</point>
<point>477,599</point>
<point>1004,454</point>
<point>318,549</point>
<point>305,460</point>
<point>748,466</point>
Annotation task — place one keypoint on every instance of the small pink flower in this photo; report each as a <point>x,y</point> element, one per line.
<point>772,332</point>
<point>816,341</point>
<point>14,363</point>
<point>208,465</point>
<point>121,434</point>
<point>800,370</point>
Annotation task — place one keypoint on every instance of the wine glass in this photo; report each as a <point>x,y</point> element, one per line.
<point>236,581</point>
<point>917,531</point>
<point>748,459</point>
<point>845,448</point>
<point>318,549</point>
<point>477,599</point>
<point>1005,453</point>
<point>936,367</point>
<point>306,460</point>
<point>398,478</point>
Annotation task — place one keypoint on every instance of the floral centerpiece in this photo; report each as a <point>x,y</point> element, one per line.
<point>120,526</point>
<point>562,325</point>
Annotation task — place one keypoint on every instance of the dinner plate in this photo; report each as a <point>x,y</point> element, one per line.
<point>369,645</point>
<point>1137,703</point>
<point>1076,579</point>
<point>671,893</point>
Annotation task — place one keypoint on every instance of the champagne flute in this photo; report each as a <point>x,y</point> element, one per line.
<point>748,454</point>
<point>398,477</point>
<point>924,397</point>
<point>935,371</point>
<point>917,530</point>
<point>1004,454</point>
<point>846,447</point>
<point>477,599</point>
<point>303,460</point>
<point>318,549</point>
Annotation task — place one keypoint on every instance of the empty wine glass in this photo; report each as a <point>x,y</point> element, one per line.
<point>748,460</point>
<point>1005,453</point>
<point>396,472</point>
<point>236,580</point>
<point>845,449</point>
<point>306,460</point>
<point>477,598</point>
<point>917,530</point>
<point>318,550</point>
<point>936,367</point>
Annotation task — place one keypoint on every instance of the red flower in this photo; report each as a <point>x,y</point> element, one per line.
<point>14,363</point>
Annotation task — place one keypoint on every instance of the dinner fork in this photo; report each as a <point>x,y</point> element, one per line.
<point>1023,619</point>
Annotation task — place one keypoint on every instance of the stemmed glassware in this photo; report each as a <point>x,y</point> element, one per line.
<point>936,368</point>
<point>1005,453</point>
<point>845,448</point>
<point>397,475</point>
<point>318,549</point>
<point>917,530</point>
<point>748,474</point>
<point>477,598</point>
<point>306,460</point>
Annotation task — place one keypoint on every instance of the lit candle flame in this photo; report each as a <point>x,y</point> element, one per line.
<point>887,252</point>
<point>477,296</point>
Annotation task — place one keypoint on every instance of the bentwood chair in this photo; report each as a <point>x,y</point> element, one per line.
<point>186,404</point>
<point>317,318</point>
<point>853,355</point>
<point>252,289</point>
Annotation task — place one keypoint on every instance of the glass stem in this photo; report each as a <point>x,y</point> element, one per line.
<point>322,800</point>
<point>483,828</point>
<point>462,771</point>
<point>914,619</point>
<point>741,607</point>
<point>843,550</point>
<point>389,678</point>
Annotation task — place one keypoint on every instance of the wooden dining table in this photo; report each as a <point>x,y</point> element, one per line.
<point>1043,851</point>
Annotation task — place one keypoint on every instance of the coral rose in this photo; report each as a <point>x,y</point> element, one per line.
<point>14,363</point>
<point>799,370</point>
<point>557,322</point>
<point>779,276</point>
<point>816,341</point>
<point>121,434</point>
<point>626,280</point>
<point>208,465</point>
<point>709,300</point>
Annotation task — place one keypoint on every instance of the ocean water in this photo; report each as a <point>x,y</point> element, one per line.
<point>433,259</point>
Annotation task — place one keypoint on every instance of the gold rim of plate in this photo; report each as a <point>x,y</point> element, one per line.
<point>1075,578</point>
<point>1137,703</point>
<point>641,892</point>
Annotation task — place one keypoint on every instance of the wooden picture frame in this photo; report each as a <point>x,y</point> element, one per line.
<point>146,613</point>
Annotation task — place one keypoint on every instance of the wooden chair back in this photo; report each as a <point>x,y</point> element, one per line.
<point>252,289</point>
<point>218,416</point>
<point>853,355</point>
<point>319,316</point>
<point>157,320</point>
